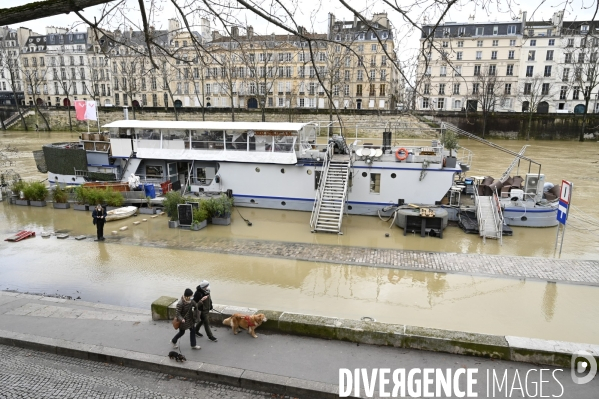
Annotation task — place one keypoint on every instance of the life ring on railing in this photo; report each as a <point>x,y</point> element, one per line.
<point>401,157</point>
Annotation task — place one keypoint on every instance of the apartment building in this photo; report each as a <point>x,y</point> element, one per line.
<point>10,76</point>
<point>469,65</point>
<point>542,66</point>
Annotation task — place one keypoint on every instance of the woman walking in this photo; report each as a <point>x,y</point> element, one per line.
<point>186,314</point>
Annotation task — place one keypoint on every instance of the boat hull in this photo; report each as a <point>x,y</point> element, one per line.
<point>527,217</point>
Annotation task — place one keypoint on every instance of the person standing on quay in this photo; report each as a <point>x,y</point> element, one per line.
<point>204,300</point>
<point>186,309</point>
<point>99,215</point>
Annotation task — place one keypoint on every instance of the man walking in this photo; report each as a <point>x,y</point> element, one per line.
<point>204,300</point>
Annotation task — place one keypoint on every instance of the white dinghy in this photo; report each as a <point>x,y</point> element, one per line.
<point>120,213</point>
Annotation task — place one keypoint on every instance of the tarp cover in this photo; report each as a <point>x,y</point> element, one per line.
<point>283,158</point>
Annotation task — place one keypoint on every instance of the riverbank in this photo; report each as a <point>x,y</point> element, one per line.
<point>286,364</point>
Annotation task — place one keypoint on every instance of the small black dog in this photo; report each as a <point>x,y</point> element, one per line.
<point>177,356</point>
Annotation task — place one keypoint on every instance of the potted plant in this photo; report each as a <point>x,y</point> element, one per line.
<point>60,198</point>
<point>113,199</point>
<point>36,192</point>
<point>17,188</point>
<point>200,219</point>
<point>82,198</point>
<point>450,142</point>
<point>221,210</point>
<point>171,200</point>
<point>148,210</point>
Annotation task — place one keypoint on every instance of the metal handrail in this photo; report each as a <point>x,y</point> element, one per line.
<point>481,223</point>
<point>499,221</point>
<point>321,186</point>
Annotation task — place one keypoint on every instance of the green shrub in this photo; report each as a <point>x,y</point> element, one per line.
<point>17,186</point>
<point>218,207</point>
<point>199,215</point>
<point>81,194</point>
<point>39,191</point>
<point>172,199</point>
<point>113,198</point>
<point>59,195</point>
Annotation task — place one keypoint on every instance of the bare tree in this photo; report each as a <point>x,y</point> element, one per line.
<point>35,79</point>
<point>9,62</point>
<point>533,92</point>
<point>488,91</point>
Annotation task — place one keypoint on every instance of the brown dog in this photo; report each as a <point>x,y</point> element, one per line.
<point>249,323</point>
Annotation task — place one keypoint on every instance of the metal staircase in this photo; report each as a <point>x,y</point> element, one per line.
<point>489,216</point>
<point>130,167</point>
<point>331,196</point>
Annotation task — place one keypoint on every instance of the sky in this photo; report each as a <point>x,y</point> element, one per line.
<point>313,14</point>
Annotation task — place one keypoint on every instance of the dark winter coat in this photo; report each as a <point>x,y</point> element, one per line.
<point>205,306</point>
<point>187,311</point>
<point>95,215</point>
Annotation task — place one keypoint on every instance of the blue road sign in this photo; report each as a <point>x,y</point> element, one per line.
<point>562,212</point>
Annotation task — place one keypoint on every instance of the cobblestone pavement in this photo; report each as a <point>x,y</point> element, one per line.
<point>26,374</point>
<point>548,269</point>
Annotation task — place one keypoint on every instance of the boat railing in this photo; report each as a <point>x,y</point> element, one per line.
<point>464,156</point>
<point>481,222</point>
<point>498,216</point>
<point>82,173</point>
<point>328,154</point>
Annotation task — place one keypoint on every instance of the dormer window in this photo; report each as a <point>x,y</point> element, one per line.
<point>584,28</point>
<point>384,35</point>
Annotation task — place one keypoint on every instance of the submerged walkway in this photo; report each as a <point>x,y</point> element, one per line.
<point>547,269</point>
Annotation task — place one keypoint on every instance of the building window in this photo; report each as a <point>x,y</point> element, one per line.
<point>565,74</point>
<point>461,43</point>
<point>372,91</point>
<point>445,44</point>
<point>580,58</point>
<point>461,32</point>
<point>426,89</point>
<point>479,43</point>
<point>551,42</point>
<point>492,70</point>
<point>493,55</point>
<point>382,90</point>
<point>475,88</point>
<point>359,90</point>
<point>480,31</point>
<point>457,104</point>
<point>441,88</point>
<point>510,55</point>
<point>456,88</point>
<point>549,56</point>
<point>510,70</point>
<point>508,88</point>
<point>570,43</point>
<point>479,55</point>
<point>545,89</point>
<point>563,92</point>
<point>117,100</point>
<point>476,70</point>
<point>154,100</point>
<point>511,29</point>
<point>575,93</point>
<point>527,88</point>
<point>425,102</point>
<point>531,55</point>
<point>495,43</point>
<point>529,71</point>
<point>443,71</point>
<point>533,43</point>
<point>346,90</point>
<point>440,103</point>
<point>459,55</point>
<point>547,71</point>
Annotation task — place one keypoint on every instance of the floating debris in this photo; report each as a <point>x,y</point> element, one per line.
<point>144,220</point>
<point>123,228</point>
<point>21,235</point>
<point>155,216</point>
<point>136,223</point>
<point>81,237</point>
<point>62,236</point>
<point>45,234</point>
<point>114,232</point>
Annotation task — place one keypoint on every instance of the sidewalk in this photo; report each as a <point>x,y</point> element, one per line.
<point>296,366</point>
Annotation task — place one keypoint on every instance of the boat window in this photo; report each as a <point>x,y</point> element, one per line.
<point>148,134</point>
<point>207,139</point>
<point>236,141</point>
<point>154,171</point>
<point>375,183</point>
<point>174,135</point>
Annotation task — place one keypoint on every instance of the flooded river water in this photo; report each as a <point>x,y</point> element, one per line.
<point>125,271</point>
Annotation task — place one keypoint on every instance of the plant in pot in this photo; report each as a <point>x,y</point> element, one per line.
<point>148,210</point>
<point>200,219</point>
<point>17,188</point>
<point>113,199</point>
<point>82,198</point>
<point>60,198</point>
<point>450,142</point>
<point>36,192</point>
<point>221,210</point>
<point>171,200</point>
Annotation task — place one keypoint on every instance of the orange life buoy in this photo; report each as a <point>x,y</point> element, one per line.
<point>401,157</point>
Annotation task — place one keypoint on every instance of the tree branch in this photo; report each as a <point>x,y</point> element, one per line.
<point>45,8</point>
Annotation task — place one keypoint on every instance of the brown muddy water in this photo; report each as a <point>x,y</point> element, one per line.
<point>126,272</point>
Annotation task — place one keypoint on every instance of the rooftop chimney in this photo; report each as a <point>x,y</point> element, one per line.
<point>235,31</point>
<point>471,18</point>
<point>250,31</point>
